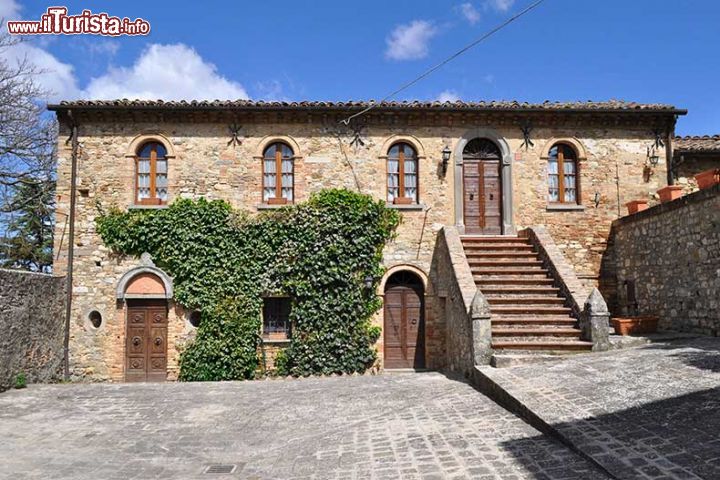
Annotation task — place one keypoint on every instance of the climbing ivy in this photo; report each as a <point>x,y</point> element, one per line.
<point>224,262</point>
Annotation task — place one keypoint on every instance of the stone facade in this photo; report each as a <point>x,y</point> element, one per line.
<point>32,313</point>
<point>611,144</point>
<point>692,155</point>
<point>672,253</point>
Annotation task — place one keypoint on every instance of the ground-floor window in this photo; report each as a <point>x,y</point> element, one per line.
<point>276,318</point>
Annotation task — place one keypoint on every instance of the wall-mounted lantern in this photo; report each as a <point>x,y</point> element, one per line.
<point>369,281</point>
<point>445,158</point>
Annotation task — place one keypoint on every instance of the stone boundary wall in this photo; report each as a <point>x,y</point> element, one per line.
<point>672,253</point>
<point>458,300</point>
<point>32,320</point>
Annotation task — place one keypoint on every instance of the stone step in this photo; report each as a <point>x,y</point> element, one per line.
<point>485,281</point>
<point>520,301</point>
<point>536,332</point>
<point>558,345</point>
<point>499,247</point>
<point>475,262</point>
<point>501,256</point>
<point>489,291</point>
<point>509,271</point>
<point>529,309</point>
<point>529,320</point>
<point>474,240</point>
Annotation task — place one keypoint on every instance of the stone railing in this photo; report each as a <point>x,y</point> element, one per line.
<point>32,314</point>
<point>588,306</point>
<point>466,312</point>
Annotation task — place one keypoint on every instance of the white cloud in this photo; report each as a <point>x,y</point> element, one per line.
<point>410,41</point>
<point>55,77</point>
<point>448,96</point>
<point>9,10</point>
<point>500,5</point>
<point>470,13</point>
<point>168,72</point>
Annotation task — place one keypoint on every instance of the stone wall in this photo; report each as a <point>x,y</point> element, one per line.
<point>672,253</point>
<point>202,164</point>
<point>32,322</point>
<point>461,304</point>
<point>688,165</point>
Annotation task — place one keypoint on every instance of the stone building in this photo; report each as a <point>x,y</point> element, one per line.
<point>485,170</point>
<point>692,155</point>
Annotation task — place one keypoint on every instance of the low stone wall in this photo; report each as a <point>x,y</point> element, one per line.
<point>672,254</point>
<point>32,314</point>
<point>460,303</point>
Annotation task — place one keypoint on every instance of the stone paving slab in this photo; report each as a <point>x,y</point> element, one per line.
<point>414,426</point>
<point>648,412</point>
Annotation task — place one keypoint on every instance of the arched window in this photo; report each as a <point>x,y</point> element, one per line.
<point>402,174</point>
<point>278,174</point>
<point>562,175</point>
<point>151,180</point>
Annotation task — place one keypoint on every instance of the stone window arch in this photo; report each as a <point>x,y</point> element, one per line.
<point>151,154</point>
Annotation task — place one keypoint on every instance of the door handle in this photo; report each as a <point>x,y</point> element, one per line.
<point>492,196</point>
<point>472,196</point>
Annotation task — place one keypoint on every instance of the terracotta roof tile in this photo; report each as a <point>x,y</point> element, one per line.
<point>611,105</point>
<point>705,143</point>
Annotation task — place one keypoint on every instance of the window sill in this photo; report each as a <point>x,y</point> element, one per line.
<point>276,341</point>
<point>147,207</point>
<point>561,207</point>
<point>411,206</point>
<point>269,206</point>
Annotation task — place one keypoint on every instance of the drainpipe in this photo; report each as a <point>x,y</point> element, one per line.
<point>670,160</point>
<point>71,245</point>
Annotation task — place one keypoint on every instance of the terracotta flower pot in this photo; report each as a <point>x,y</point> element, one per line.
<point>635,325</point>
<point>708,178</point>
<point>670,193</point>
<point>636,206</point>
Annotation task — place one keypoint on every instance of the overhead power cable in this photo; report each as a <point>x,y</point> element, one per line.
<point>444,62</point>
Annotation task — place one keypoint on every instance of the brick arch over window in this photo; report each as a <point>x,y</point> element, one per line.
<point>278,157</point>
<point>563,158</point>
<point>143,138</point>
<point>151,155</point>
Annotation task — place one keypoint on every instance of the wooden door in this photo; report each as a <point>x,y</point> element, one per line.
<point>404,327</point>
<point>482,190</point>
<point>146,344</point>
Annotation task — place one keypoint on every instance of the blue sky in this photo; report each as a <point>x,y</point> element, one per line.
<point>651,51</point>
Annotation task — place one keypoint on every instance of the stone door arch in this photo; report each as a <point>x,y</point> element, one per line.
<point>505,173</point>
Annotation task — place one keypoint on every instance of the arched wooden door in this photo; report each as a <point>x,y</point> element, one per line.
<point>404,326</point>
<point>482,187</point>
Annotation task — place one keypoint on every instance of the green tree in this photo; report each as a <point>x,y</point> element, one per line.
<point>28,239</point>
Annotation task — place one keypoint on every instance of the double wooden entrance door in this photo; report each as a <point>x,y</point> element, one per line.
<point>482,190</point>
<point>146,341</point>
<point>404,327</point>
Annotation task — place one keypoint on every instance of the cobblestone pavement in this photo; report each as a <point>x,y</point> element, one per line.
<point>646,412</point>
<point>415,426</point>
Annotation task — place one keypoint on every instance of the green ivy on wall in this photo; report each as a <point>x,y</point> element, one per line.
<point>224,262</point>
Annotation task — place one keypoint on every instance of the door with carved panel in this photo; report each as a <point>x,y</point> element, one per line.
<point>146,345</point>
<point>482,190</point>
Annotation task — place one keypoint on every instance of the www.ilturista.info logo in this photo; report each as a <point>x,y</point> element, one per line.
<point>56,21</point>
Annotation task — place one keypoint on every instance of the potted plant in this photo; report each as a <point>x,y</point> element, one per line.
<point>708,178</point>
<point>635,325</point>
<point>636,206</point>
<point>670,193</point>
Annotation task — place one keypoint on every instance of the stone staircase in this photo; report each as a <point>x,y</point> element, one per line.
<point>528,313</point>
